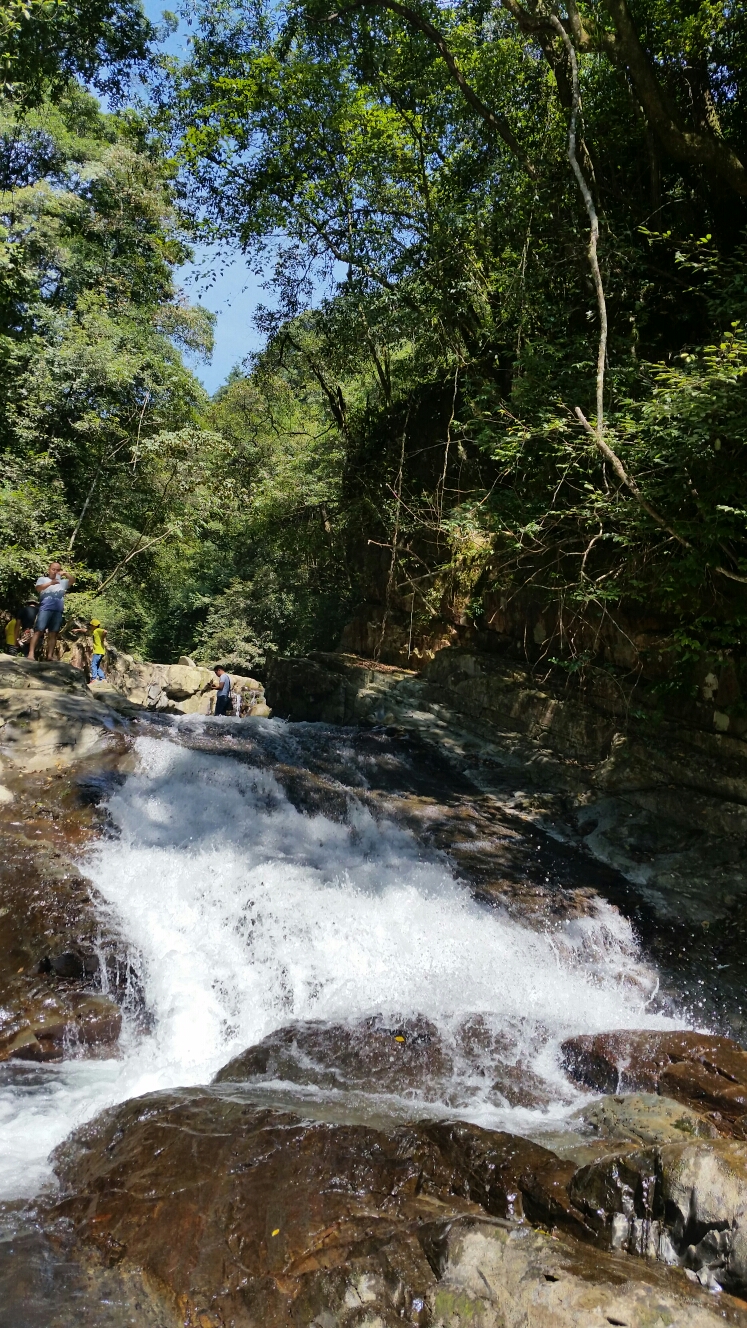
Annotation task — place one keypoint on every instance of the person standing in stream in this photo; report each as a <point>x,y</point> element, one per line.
<point>51,589</point>
<point>223,698</point>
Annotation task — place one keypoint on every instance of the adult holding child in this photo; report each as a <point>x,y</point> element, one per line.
<point>51,590</point>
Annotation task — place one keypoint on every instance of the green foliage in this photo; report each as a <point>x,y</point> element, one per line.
<point>467,286</point>
<point>102,455</point>
<point>46,43</point>
<point>412,444</point>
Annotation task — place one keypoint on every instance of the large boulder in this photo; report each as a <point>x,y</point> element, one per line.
<point>185,688</point>
<point>48,716</point>
<point>404,1056</point>
<point>249,1217</point>
<point>707,1072</point>
<point>255,1217</point>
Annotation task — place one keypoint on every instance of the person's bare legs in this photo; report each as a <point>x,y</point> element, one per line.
<point>36,638</point>
<point>51,643</point>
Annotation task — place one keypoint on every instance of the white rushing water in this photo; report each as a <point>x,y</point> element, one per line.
<point>243,914</point>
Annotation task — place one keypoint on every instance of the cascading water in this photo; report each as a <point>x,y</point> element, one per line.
<point>244,913</point>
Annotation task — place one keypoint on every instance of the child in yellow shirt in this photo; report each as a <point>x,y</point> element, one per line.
<point>99,650</point>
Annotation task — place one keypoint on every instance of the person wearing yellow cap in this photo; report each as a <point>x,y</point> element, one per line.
<point>99,650</point>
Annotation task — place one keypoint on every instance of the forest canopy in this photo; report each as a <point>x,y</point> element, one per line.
<point>462,401</point>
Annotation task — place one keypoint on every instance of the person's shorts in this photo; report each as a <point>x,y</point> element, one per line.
<point>48,619</point>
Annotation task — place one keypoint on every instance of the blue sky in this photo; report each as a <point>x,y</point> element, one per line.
<point>234,294</point>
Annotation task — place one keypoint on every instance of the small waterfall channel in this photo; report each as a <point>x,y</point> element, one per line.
<point>246,910</point>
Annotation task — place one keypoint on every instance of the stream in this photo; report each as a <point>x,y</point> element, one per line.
<point>262,873</point>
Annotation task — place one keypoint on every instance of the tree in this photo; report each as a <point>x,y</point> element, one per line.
<point>102,454</point>
<point>423,151</point>
<point>46,43</point>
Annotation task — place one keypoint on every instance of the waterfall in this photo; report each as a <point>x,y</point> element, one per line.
<point>243,913</point>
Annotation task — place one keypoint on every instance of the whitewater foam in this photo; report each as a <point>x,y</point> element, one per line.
<point>243,914</point>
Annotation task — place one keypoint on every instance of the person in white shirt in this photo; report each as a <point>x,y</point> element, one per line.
<point>51,589</point>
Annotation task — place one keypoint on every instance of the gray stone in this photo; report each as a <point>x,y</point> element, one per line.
<point>643,1118</point>
<point>496,1276</point>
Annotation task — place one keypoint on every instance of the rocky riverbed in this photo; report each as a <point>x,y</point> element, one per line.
<point>341,1036</point>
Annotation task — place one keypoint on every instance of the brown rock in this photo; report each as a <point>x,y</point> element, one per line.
<point>255,1217</point>
<point>707,1072</point>
<point>54,1028</point>
<point>376,1055</point>
<point>404,1056</point>
<point>692,1081</point>
<point>53,926</point>
<point>509,1176</point>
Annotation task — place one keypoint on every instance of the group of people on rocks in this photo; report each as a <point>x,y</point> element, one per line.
<point>41,616</point>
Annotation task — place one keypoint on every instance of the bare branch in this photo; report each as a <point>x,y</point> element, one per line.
<point>593,223</point>
<point>630,484</point>
<point>139,548</point>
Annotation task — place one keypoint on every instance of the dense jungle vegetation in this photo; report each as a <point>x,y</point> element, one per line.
<point>471,410</point>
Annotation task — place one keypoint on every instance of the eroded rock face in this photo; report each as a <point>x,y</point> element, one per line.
<point>681,1203</point>
<point>708,1073</point>
<point>48,715</point>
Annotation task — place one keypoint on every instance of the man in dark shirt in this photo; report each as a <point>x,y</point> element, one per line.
<point>27,615</point>
<point>223,698</point>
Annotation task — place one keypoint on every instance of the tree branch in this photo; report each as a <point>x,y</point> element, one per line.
<point>630,484</point>
<point>593,227</point>
<point>498,123</point>
<point>702,146</point>
<point>697,148</point>
<point>139,548</point>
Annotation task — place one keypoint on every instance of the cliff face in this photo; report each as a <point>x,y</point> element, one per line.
<point>659,797</point>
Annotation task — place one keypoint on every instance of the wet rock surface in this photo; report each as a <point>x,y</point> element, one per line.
<point>255,1217</point>
<point>64,972</point>
<point>244,1214</point>
<point>250,1216</point>
<point>708,1073</point>
<point>643,1118</point>
<point>661,802</point>
<point>403,1057</point>
<point>47,1281</point>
